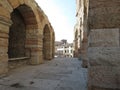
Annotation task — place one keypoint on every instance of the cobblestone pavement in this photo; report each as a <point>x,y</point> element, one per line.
<point>58,74</point>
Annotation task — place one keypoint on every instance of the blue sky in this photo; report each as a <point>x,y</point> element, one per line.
<point>61,14</point>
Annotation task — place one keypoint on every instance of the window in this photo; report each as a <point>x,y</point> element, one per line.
<point>65,51</point>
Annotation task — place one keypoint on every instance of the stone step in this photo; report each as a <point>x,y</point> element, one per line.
<point>20,58</point>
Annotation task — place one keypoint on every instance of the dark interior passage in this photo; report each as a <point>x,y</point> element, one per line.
<point>17,36</point>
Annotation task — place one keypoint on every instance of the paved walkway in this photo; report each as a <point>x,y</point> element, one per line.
<point>58,74</point>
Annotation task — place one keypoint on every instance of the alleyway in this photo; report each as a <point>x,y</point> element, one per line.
<point>58,74</point>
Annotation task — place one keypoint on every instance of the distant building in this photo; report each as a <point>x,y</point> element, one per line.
<point>63,49</point>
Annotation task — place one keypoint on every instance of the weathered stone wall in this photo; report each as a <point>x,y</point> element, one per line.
<point>104,14</point>
<point>104,59</point>
<point>100,26</point>
<point>34,19</point>
<point>104,45</point>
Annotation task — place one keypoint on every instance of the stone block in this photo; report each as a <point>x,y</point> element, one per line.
<point>3,53</point>
<point>104,68</point>
<point>31,42</point>
<point>3,58</point>
<point>104,56</point>
<point>36,58</point>
<point>3,68</point>
<point>104,78</point>
<point>6,5</point>
<point>104,38</point>
<point>3,35</point>
<point>104,14</point>
<point>3,27</point>
<point>4,12</point>
<point>21,1</point>
<point>3,42</point>
<point>14,3</point>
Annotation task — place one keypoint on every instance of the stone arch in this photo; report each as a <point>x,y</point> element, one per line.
<point>31,26</point>
<point>33,20</point>
<point>47,45</point>
<point>29,16</point>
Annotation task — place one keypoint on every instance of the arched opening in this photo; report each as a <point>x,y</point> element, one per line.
<point>17,36</point>
<point>46,43</point>
<point>22,36</point>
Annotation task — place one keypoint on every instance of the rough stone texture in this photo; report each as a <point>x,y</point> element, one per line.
<point>17,62</point>
<point>35,21</point>
<point>106,56</point>
<point>99,23</point>
<point>104,14</point>
<point>104,59</point>
<point>104,37</point>
<point>104,78</point>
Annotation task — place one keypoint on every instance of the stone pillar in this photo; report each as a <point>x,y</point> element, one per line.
<point>53,45</point>
<point>34,46</point>
<point>4,30</point>
<point>83,54</point>
<point>84,47</point>
<point>36,55</point>
<point>76,47</point>
<point>104,59</point>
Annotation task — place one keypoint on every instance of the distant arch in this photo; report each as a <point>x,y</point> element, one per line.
<point>47,45</point>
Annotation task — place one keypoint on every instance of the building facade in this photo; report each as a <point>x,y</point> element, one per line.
<point>63,49</point>
<point>81,31</point>
<point>97,42</point>
<point>25,33</point>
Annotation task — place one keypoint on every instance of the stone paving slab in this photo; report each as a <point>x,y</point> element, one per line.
<point>50,76</point>
<point>58,74</point>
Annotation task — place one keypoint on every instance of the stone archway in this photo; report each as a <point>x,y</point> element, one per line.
<point>47,43</point>
<point>22,36</point>
<point>25,20</point>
